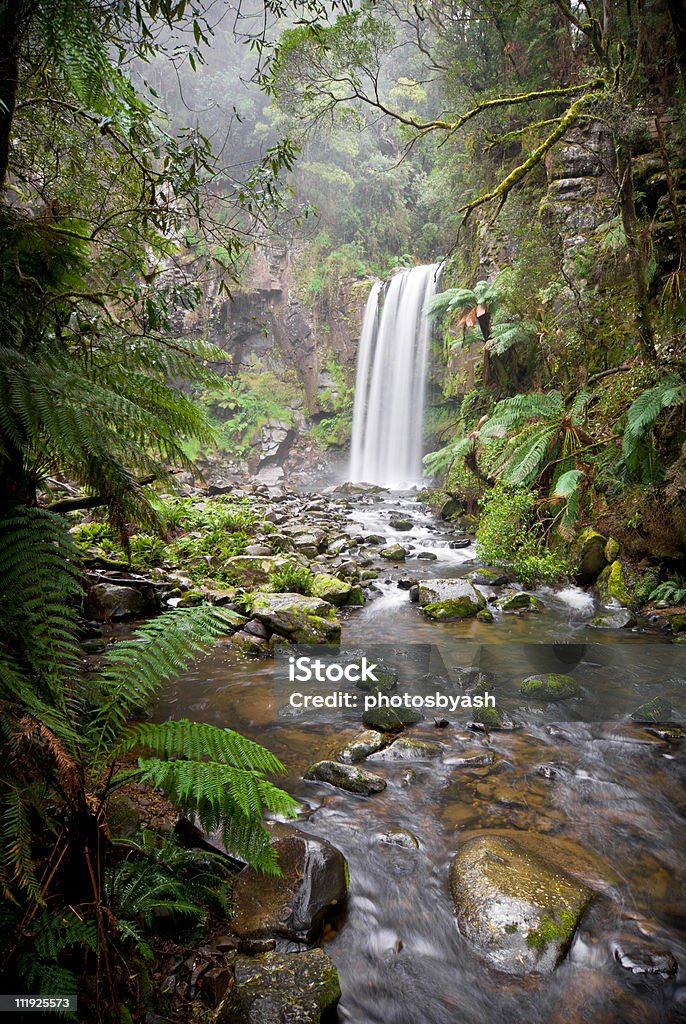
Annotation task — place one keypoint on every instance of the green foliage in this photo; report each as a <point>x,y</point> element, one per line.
<point>638,448</point>
<point>510,536</point>
<point>67,733</point>
<point>291,579</point>
<point>669,592</point>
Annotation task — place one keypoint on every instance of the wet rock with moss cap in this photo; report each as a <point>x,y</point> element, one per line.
<point>519,602</point>
<point>283,988</point>
<point>517,910</point>
<point>330,588</point>
<point>550,686</point>
<point>297,617</point>
<point>365,743</point>
<point>345,776</point>
<point>387,719</point>
<point>393,553</point>
<point>450,599</point>
<point>588,554</point>
<point>613,585</point>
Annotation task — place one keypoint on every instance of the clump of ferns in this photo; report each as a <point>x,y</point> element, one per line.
<point>69,741</point>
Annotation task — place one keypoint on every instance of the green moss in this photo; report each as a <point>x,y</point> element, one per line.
<point>452,608</point>
<point>485,615</point>
<point>552,686</point>
<point>551,930</point>
<point>612,583</point>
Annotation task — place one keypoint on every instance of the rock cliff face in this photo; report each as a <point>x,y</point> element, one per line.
<point>268,325</point>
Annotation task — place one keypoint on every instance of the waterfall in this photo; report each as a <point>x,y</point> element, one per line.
<point>388,413</point>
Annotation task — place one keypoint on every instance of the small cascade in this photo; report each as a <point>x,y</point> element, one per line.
<point>388,414</point>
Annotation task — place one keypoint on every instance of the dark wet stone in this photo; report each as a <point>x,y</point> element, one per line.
<point>256,628</point>
<point>427,556</point>
<point>314,877</point>
<point>516,909</point>
<point>640,958</point>
<point>406,584</point>
<point>491,720</point>
<point>345,776</point>
<point>414,594</point>
<point>283,988</point>
<point>656,710</point>
<point>401,523</point>
<point>391,719</point>
<point>459,542</point>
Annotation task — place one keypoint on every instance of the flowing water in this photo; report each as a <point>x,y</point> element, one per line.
<point>391,381</point>
<point>596,794</point>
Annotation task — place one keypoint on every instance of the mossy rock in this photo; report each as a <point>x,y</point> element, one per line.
<point>302,619</point>
<point>450,599</point>
<point>345,776</point>
<point>361,746</point>
<point>391,719</point>
<point>330,588</point>
<point>656,710</point>
<point>612,549</point>
<point>588,554</point>
<point>485,615</point>
<point>393,553</point>
<point>520,602</point>
<point>355,598</point>
<point>406,748</point>
<point>401,523</point>
<point>492,720</point>
<point>677,623</point>
<point>550,686</point>
<point>283,988</point>
<point>251,571</point>
<point>516,909</point>
<point>613,585</point>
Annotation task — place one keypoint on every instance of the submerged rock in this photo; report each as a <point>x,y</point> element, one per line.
<point>397,836</point>
<point>491,720</point>
<point>640,958</point>
<point>314,878</point>
<point>550,686</point>
<point>283,988</point>
<point>345,776</point>
<point>619,618</point>
<point>656,710</point>
<point>401,523</point>
<point>517,910</point>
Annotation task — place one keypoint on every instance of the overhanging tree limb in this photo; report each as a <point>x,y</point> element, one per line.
<point>522,170</point>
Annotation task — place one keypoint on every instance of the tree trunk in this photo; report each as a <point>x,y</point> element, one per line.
<point>677,12</point>
<point>639,284</point>
<point>9,78</point>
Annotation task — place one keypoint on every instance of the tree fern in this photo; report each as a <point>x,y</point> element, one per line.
<point>645,409</point>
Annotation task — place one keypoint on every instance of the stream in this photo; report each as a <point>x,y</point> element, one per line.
<point>594,792</point>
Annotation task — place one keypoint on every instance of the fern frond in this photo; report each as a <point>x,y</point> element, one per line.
<point>195,740</point>
<point>133,670</point>
<point>645,409</point>
<point>449,301</point>
<point>524,464</point>
<point>534,405</point>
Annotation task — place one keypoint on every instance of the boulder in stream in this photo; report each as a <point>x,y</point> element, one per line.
<point>365,743</point>
<point>519,602</point>
<point>297,617</point>
<point>406,748</point>
<point>345,776</point>
<point>450,599</point>
<point>516,909</point>
<point>283,988</point>
<point>393,553</point>
<point>314,878</point>
<point>550,686</point>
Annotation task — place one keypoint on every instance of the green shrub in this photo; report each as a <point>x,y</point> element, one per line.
<point>511,537</point>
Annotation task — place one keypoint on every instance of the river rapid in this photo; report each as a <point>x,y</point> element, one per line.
<point>579,782</point>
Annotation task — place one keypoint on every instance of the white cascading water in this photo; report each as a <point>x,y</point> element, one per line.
<point>388,413</point>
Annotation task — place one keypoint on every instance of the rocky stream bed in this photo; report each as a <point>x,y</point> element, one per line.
<point>523,863</point>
